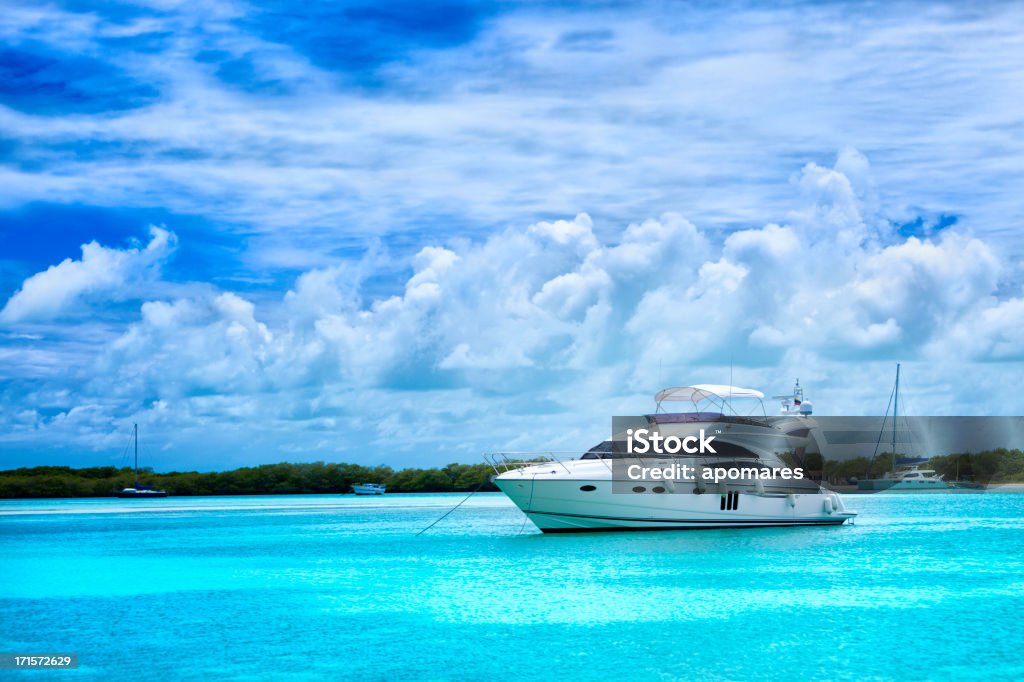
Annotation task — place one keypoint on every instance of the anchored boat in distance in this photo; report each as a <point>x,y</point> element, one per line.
<point>139,491</point>
<point>908,477</point>
<point>905,474</point>
<point>596,492</point>
<point>368,488</point>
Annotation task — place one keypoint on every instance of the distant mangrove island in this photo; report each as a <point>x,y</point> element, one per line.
<point>266,479</point>
<point>991,466</point>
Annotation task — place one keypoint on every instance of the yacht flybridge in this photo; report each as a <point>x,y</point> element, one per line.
<point>749,476</point>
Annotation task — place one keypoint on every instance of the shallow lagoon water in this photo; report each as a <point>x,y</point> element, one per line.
<point>309,587</point>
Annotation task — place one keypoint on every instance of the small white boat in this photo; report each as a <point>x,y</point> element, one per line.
<point>907,479</point>
<point>368,488</point>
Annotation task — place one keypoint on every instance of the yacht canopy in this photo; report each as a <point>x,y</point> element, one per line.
<point>701,391</point>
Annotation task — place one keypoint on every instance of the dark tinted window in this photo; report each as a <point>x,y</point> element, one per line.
<point>602,450</point>
<point>727,449</point>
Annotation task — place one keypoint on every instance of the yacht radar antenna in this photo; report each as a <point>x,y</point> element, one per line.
<point>795,402</point>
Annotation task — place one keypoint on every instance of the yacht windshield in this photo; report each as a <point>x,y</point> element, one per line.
<point>607,450</point>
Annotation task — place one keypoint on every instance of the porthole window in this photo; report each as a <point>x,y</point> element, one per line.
<point>658,489</point>
<point>588,488</point>
<point>639,489</point>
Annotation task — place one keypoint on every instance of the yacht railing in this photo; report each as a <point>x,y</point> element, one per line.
<point>506,461</point>
<point>503,462</point>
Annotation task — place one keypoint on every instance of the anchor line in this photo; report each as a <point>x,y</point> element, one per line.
<point>529,505</point>
<point>482,484</point>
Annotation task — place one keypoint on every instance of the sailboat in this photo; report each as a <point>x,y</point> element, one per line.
<point>905,475</point>
<point>145,491</point>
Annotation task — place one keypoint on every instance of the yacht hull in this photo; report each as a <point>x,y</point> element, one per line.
<point>563,506</point>
<point>549,523</point>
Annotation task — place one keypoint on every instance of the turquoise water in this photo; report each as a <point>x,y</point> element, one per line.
<point>311,587</point>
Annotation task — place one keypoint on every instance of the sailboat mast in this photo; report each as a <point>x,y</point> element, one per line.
<point>136,470</point>
<point>895,414</point>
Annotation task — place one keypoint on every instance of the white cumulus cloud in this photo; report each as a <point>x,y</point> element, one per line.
<point>552,298</point>
<point>527,320</point>
<point>100,271</point>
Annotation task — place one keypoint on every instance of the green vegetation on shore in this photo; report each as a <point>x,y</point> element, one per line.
<point>268,479</point>
<point>991,466</point>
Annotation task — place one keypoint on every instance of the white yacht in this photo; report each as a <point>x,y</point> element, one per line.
<point>598,490</point>
<point>908,478</point>
<point>368,489</point>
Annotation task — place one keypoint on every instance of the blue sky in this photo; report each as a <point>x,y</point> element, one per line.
<point>408,234</point>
